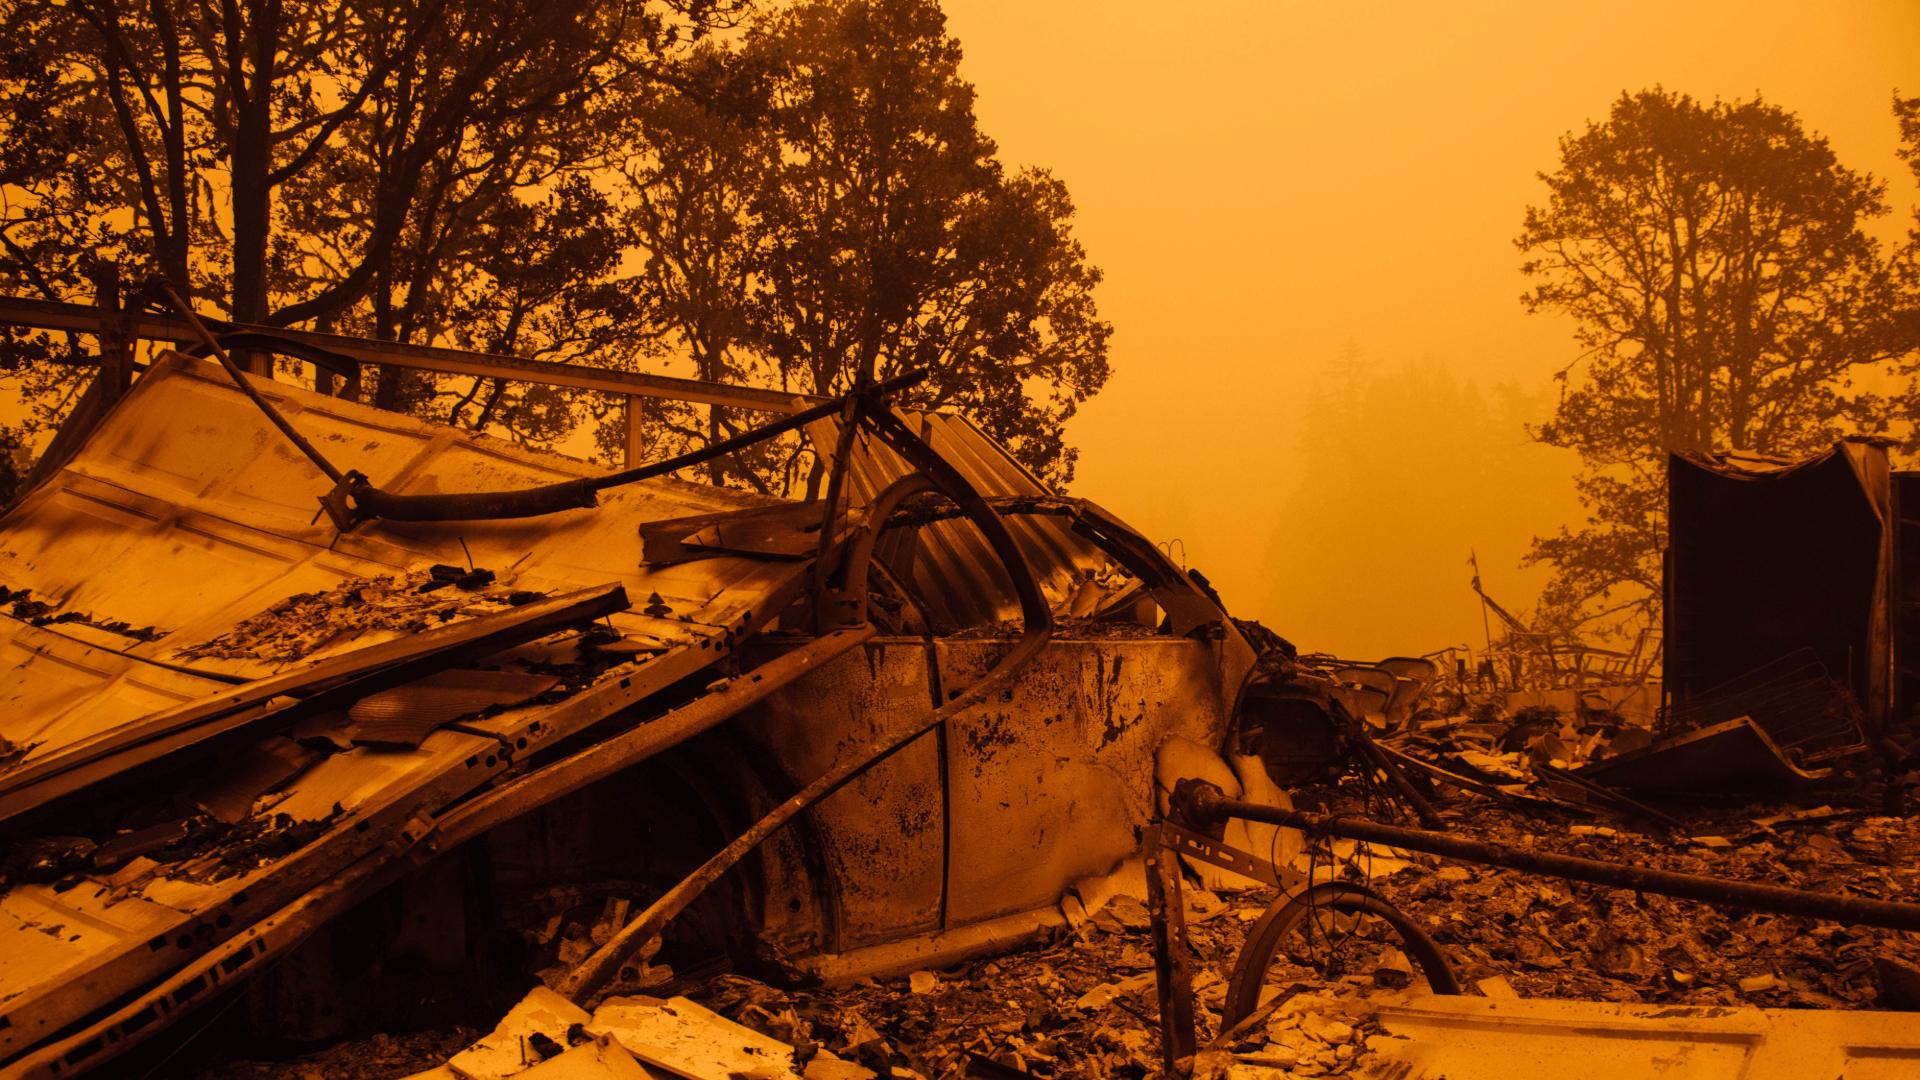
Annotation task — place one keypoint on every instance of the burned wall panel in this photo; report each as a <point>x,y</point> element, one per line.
<point>1050,779</point>
<point>1765,562</point>
<point>880,836</point>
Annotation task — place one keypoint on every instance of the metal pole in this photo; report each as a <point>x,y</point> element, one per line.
<point>1207,803</point>
<point>1486,628</point>
<point>636,439</point>
<point>154,326</point>
<point>1172,967</point>
<point>240,380</point>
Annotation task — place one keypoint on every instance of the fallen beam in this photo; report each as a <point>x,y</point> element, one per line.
<point>85,319</point>
<point>1204,803</point>
<point>255,948</point>
<point>333,683</point>
<point>534,789</point>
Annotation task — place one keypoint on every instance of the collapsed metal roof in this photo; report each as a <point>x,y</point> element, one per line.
<point>381,692</point>
<point>185,514</point>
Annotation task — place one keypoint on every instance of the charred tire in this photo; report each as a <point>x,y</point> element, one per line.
<point>1285,915</point>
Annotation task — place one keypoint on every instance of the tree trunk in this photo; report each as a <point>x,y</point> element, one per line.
<point>706,357</point>
<point>173,260</point>
<point>389,394</point>
<point>252,158</point>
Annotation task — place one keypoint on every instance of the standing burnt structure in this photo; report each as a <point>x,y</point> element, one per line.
<point>400,711</point>
<point>1793,599</point>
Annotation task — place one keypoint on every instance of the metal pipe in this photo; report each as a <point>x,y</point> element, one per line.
<point>369,501</point>
<point>1206,803</point>
<point>325,359</point>
<point>877,392</point>
<point>879,518</point>
<point>830,506</point>
<point>246,387</point>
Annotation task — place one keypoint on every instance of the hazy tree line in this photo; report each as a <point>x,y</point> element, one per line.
<point>1727,295</point>
<point>782,195</point>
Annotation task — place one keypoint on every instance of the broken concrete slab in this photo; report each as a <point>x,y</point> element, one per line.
<point>692,1041</point>
<point>598,1059</point>
<point>1467,1038</point>
<point>506,1050</point>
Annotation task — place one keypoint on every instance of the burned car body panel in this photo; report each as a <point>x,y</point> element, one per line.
<point>1023,795</point>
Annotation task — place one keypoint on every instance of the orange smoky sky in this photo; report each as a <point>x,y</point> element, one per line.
<point>1306,212</point>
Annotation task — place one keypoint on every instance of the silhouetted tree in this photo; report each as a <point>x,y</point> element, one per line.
<point>564,179</point>
<point>15,461</point>
<point>894,238</point>
<point>541,278</point>
<point>1723,289</point>
<point>820,202</point>
<point>1906,112</point>
<point>292,161</point>
<point>1906,319</point>
<point>700,158</point>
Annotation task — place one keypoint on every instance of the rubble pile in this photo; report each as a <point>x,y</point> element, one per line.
<point>389,606</point>
<point>1593,762</point>
<point>1083,1006</point>
<point>1084,1003</point>
<point>20,604</point>
<point>799,747</point>
<point>1076,1008</point>
<point>1552,938</point>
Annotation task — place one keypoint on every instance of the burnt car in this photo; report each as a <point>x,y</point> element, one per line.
<point>292,683</point>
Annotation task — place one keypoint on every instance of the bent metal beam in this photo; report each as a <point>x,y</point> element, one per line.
<point>153,326</point>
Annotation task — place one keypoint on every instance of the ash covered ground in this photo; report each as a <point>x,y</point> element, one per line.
<point>1084,1004</point>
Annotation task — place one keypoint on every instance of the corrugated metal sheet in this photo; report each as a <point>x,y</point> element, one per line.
<point>186,512</point>
<point>955,574</point>
<point>55,688</point>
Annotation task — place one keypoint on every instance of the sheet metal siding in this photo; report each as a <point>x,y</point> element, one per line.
<point>956,574</point>
<point>54,689</point>
<point>1051,779</point>
<point>186,512</point>
<point>879,837</point>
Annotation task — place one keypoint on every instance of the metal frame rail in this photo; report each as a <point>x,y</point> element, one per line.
<point>1200,805</point>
